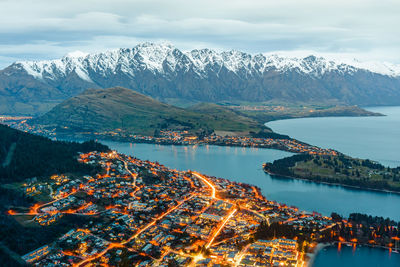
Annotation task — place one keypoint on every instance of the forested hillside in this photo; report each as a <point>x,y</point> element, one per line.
<point>23,155</point>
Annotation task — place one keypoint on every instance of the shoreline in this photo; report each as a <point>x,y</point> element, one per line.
<point>320,246</point>
<point>139,141</point>
<point>235,146</point>
<point>266,171</point>
<point>312,255</point>
<point>334,184</point>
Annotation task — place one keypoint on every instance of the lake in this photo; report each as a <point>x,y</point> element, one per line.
<point>376,138</point>
<point>245,165</point>
<point>360,257</point>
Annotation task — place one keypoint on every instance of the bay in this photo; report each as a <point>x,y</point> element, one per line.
<point>375,138</point>
<point>245,165</point>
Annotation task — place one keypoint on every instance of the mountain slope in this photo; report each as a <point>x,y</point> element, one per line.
<point>97,110</point>
<point>24,155</point>
<point>164,72</point>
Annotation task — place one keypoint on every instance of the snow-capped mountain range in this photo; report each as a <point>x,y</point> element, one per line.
<point>163,71</point>
<point>165,58</point>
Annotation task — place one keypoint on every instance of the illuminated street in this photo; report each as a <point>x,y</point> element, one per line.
<point>144,213</point>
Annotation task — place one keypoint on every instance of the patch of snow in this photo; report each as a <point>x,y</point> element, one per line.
<point>83,75</point>
<point>31,69</point>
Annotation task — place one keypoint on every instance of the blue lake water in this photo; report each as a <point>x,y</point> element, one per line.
<point>376,138</point>
<point>360,257</point>
<point>245,165</point>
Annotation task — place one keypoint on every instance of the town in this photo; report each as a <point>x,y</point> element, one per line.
<point>178,137</point>
<point>143,213</point>
<point>185,138</point>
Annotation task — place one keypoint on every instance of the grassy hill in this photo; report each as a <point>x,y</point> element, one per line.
<point>23,155</point>
<point>225,119</point>
<point>98,110</point>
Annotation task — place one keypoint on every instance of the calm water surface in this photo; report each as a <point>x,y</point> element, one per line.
<point>245,165</point>
<point>376,138</point>
<point>360,257</point>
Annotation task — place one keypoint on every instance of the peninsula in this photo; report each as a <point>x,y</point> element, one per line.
<point>337,169</point>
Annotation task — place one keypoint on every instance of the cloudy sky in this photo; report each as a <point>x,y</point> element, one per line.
<point>47,29</point>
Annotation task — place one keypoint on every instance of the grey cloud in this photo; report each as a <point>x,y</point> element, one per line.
<point>44,29</point>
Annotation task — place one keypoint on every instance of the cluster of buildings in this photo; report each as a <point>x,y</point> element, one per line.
<point>184,137</point>
<point>290,145</point>
<point>20,123</point>
<point>275,252</point>
<point>144,214</point>
<point>259,108</point>
<point>7,118</point>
